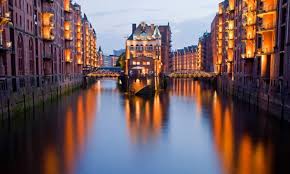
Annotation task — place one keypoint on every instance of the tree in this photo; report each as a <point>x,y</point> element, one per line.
<point>121,61</point>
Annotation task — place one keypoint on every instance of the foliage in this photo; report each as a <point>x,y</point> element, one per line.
<point>121,61</point>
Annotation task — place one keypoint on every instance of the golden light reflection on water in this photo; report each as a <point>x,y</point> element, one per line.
<point>237,150</point>
<point>51,163</point>
<point>78,121</point>
<point>144,118</point>
<point>240,155</point>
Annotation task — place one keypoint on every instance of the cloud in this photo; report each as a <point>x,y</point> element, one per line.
<point>122,11</point>
<point>189,31</point>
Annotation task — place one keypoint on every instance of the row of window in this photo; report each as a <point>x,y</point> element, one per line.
<point>141,48</point>
<point>139,63</point>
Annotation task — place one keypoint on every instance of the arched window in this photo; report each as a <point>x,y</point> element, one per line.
<point>31,57</point>
<point>20,53</point>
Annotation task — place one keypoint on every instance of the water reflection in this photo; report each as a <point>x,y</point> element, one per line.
<point>146,118</point>
<point>239,150</point>
<point>96,130</point>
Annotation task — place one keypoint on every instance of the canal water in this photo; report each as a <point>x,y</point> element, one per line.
<point>190,128</point>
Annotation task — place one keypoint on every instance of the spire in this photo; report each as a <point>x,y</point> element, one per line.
<point>100,49</point>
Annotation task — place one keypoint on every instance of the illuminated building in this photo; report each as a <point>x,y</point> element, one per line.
<point>185,59</point>
<point>41,42</point>
<point>5,43</point>
<point>204,53</point>
<point>143,51</point>
<point>281,75</point>
<point>214,42</point>
<point>165,32</point>
<point>266,38</point>
<point>250,40</point>
<point>90,53</point>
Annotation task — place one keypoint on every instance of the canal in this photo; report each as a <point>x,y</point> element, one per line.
<point>190,128</point>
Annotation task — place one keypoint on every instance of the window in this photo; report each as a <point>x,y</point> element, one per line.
<point>31,57</point>
<point>20,52</point>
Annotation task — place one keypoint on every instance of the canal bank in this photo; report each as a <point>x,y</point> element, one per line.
<point>31,97</point>
<point>277,104</point>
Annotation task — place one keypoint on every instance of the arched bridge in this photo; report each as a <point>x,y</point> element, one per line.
<point>193,74</point>
<point>106,72</point>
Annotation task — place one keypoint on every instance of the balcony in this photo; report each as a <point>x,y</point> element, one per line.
<point>266,9</point>
<point>265,28</point>
<point>248,55</point>
<point>68,55</point>
<point>67,5</point>
<point>5,46</point>
<point>265,51</point>
<point>48,26</point>
<point>79,36</point>
<point>48,33</point>
<point>68,35</point>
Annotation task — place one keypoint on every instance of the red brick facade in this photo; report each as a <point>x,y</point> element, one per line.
<point>48,38</point>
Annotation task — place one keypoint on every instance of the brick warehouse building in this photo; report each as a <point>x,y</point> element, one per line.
<point>46,43</point>
<point>166,45</point>
<point>143,51</point>
<point>185,60</point>
<point>251,50</point>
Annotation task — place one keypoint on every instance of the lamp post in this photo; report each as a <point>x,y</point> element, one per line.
<point>4,21</point>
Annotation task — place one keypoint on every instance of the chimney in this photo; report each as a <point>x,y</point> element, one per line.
<point>134,28</point>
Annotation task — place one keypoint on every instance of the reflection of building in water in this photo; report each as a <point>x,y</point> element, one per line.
<point>190,90</point>
<point>146,118</point>
<point>78,121</point>
<point>250,154</point>
<point>237,151</point>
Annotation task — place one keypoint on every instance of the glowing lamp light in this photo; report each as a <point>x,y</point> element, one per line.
<point>8,44</point>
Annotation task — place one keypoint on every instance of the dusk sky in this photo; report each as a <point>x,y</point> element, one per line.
<point>112,19</point>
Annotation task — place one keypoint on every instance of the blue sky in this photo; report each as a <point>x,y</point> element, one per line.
<point>112,19</point>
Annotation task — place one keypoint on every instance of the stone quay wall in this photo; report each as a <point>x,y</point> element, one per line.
<point>33,92</point>
<point>275,103</point>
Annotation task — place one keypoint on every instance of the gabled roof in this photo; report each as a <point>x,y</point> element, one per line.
<point>145,32</point>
